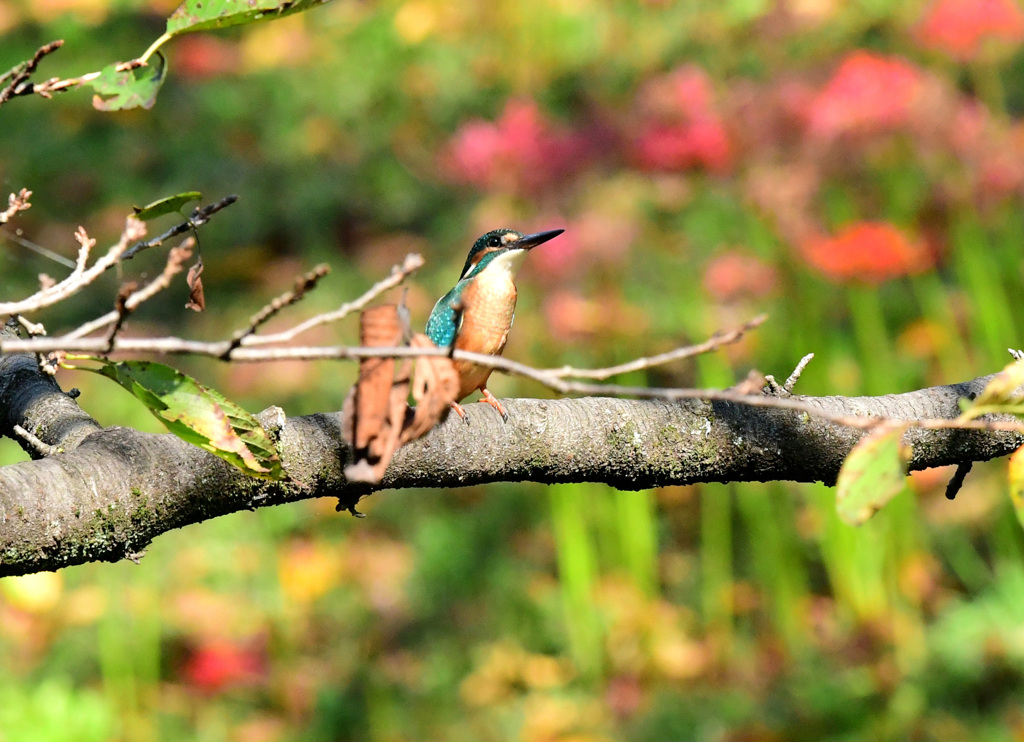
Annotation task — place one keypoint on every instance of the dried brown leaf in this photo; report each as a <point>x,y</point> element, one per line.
<point>435,387</point>
<point>196,297</point>
<point>374,411</point>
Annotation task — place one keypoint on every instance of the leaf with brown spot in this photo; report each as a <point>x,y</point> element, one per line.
<point>196,297</point>
<point>120,87</point>
<point>874,472</point>
<point>198,414</point>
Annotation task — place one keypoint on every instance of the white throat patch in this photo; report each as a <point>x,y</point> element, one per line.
<point>505,264</point>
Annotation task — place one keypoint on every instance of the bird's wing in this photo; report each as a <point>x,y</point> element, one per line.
<point>441,327</point>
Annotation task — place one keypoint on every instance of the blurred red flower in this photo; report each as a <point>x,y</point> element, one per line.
<point>522,150</point>
<point>866,251</point>
<point>202,56</point>
<point>737,275</point>
<point>958,27</point>
<point>684,130</point>
<point>220,664</point>
<point>868,93</point>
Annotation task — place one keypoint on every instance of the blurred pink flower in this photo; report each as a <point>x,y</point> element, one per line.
<point>866,251</point>
<point>684,130</point>
<point>520,151</point>
<point>737,275</point>
<point>220,664</point>
<point>593,238</point>
<point>969,128</point>
<point>868,93</point>
<point>958,27</point>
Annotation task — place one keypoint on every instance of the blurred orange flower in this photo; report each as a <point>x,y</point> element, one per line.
<point>868,93</point>
<point>686,130</point>
<point>866,251</point>
<point>737,274</point>
<point>959,27</point>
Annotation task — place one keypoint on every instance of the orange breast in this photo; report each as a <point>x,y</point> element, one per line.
<point>489,305</point>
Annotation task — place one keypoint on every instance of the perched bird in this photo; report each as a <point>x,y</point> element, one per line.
<point>477,314</point>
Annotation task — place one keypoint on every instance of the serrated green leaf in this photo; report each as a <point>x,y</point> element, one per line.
<point>199,15</point>
<point>198,414</point>
<point>168,205</point>
<point>1015,474</point>
<point>121,90</point>
<point>873,473</point>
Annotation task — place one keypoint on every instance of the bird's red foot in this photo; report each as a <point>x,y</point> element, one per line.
<point>493,402</point>
<point>461,412</point>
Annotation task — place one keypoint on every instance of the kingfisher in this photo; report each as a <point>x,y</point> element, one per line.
<point>477,314</point>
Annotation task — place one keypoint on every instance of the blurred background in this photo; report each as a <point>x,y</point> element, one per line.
<point>854,169</point>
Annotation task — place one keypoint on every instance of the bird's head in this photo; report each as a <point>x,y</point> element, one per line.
<point>506,246</point>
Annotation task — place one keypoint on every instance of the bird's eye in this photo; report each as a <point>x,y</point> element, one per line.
<point>494,241</point>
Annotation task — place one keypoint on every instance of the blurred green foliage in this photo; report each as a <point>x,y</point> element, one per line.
<point>853,169</point>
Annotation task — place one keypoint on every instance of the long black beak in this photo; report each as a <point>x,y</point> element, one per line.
<point>532,240</point>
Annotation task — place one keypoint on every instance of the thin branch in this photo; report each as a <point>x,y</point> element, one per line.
<point>715,342</point>
<point>16,202</point>
<point>47,88</point>
<point>797,372</point>
<point>303,285</point>
<point>120,313</point>
<point>81,276</point>
<point>199,217</point>
<point>43,449</point>
<point>20,73</point>
<point>36,248</point>
<point>179,346</point>
<point>175,264</point>
<point>412,263</point>
<point>20,202</point>
<point>34,329</point>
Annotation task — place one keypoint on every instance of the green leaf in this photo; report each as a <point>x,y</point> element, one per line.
<point>169,205</point>
<point>1015,474</point>
<point>197,414</point>
<point>1001,394</point>
<point>119,90</point>
<point>200,15</point>
<point>873,473</point>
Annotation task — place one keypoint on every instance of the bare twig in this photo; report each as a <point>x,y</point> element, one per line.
<point>957,482</point>
<point>44,449</point>
<point>412,263</point>
<point>34,329</point>
<point>47,88</point>
<point>121,312</point>
<point>39,249</point>
<point>175,264</point>
<point>16,202</point>
<point>199,217</point>
<point>81,276</point>
<point>795,376</point>
<point>302,285</point>
<point>715,342</point>
<point>20,74</point>
<point>180,346</point>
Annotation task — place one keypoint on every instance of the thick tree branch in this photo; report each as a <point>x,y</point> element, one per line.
<point>111,495</point>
